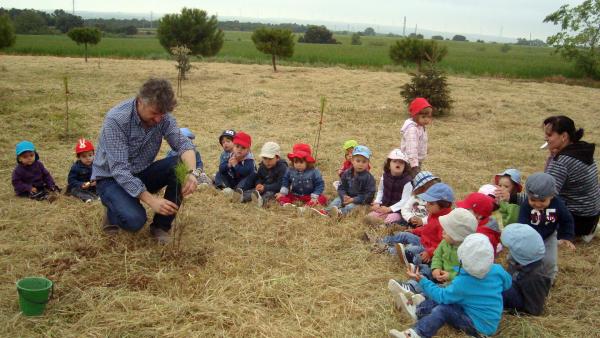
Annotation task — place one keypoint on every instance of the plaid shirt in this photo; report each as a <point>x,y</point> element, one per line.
<point>125,147</point>
<point>414,142</point>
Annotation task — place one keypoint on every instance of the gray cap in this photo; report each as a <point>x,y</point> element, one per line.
<point>540,185</point>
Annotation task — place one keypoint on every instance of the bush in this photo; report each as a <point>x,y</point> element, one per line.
<point>7,32</point>
<point>417,51</point>
<point>459,38</point>
<point>356,39</point>
<point>432,85</point>
<point>437,37</point>
<point>318,34</point>
<point>192,29</point>
<point>505,48</point>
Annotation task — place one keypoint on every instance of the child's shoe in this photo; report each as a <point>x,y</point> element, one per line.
<point>204,180</point>
<point>227,191</point>
<point>408,306</point>
<point>336,184</point>
<point>401,254</point>
<point>257,199</point>
<point>410,333</point>
<point>321,212</point>
<point>107,228</point>
<point>401,288</point>
<point>237,196</point>
<point>334,212</point>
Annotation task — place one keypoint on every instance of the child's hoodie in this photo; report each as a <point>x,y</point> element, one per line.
<point>478,286</point>
<point>431,233</point>
<point>414,142</point>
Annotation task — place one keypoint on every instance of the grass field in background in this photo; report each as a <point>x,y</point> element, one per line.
<point>469,58</point>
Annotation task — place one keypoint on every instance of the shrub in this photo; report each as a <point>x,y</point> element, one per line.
<point>437,37</point>
<point>431,84</point>
<point>356,39</point>
<point>505,48</point>
<point>7,32</point>
<point>417,51</point>
<point>318,34</point>
<point>459,38</point>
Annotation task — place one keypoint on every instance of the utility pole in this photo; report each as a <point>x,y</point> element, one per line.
<point>404,28</point>
<point>150,19</point>
<point>416,29</point>
<point>73,7</point>
<point>530,41</point>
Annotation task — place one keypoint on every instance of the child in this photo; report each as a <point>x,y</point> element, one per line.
<point>30,178</point>
<point>456,225</point>
<point>472,302</point>
<point>482,206</point>
<point>226,142</point>
<point>238,172</point>
<point>79,180</point>
<point>510,181</point>
<point>530,286</point>
<point>548,215</point>
<point>394,191</point>
<point>357,185</point>
<point>414,135</point>
<point>269,176</point>
<point>490,190</point>
<point>302,182</point>
<point>348,149</point>
<point>414,211</point>
<point>203,179</point>
<point>421,242</point>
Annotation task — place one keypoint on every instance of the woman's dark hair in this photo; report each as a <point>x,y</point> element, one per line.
<point>443,204</point>
<point>388,163</point>
<point>563,124</point>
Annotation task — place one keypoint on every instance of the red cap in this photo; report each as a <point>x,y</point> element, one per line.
<point>303,151</point>
<point>83,145</point>
<point>242,139</point>
<point>417,105</point>
<point>481,204</point>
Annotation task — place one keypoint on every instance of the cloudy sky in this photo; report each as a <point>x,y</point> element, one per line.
<point>511,18</point>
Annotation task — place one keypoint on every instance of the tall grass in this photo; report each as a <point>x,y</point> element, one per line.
<point>463,57</point>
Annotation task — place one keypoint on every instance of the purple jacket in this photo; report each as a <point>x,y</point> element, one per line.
<point>35,175</point>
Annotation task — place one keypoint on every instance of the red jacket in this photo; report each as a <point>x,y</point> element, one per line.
<point>431,233</point>
<point>489,227</point>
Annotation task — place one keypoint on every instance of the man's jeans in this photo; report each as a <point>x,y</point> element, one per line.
<point>126,211</point>
<point>432,316</point>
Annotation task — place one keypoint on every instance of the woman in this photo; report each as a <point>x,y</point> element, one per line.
<point>571,163</point>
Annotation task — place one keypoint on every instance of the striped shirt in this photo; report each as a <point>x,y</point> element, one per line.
<point>125,147</point>
<point>577,184</point>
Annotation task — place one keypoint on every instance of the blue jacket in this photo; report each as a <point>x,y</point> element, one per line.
<point>360,187</point>
<point>481,299</point>
<point>241,170</point>
<point>308,182</point>
<point>224,158</point>
<point>271,178</point>
<point>554,218</point>
<point>78,175</point>
<point>199,164</point>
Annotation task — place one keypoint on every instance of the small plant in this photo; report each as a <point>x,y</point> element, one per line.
<point>181,173</point>
<point>182,56</point>
<point>318,138</point>
<point>66,83</point>
<point>431,84</point>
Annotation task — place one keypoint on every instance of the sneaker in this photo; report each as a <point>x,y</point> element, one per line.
<point>257,199</point>
<point>301,210</point>
<point>334,212</point>
<point>401,287</point>
<point>408,306</point>
<point>336,184</point>
<point>107,228</point>
<point>588,238</point>
<point>52,196</point>
<point>227,191</point>
<point>203,179</point>
<point>410,333</point>
<point>401,254</point>
<point>418,299</point>
<point>161,236</point>
<point>237,196</point>
<point>321,212</point>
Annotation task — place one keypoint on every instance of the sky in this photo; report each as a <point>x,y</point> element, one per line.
<point>507,18</point>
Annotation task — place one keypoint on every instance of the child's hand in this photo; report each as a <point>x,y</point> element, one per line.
<point>385,210</point>
<point>232,161</point>
<point>33,190</point>
<point>260,188</point>
<point>414,274</point>
<point>568,244</point>
<point>375,206</point>
<point>278,196</point>
<point>339,172</point>
<point>502,194</point>
<point>416,221</point>
<point>444,276</point>
<point>436,274</point>
<point>348,199</point>
<point>425,257</point>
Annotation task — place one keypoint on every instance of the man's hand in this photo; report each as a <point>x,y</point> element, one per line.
<point>260,188</point>
<point>86,185</point>
<point>163,206</point>
<point>425,257</point>
<point>190,185</point>
<point>568,244</point>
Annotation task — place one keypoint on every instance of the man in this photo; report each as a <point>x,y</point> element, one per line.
<point>124,167</point>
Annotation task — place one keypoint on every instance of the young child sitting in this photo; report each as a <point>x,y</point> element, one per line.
<point>269,176</point>
<point>482,207</point>
<point>357,185</point>
<point>548,215</point>
<point>530,286</point>
<point>238,173</point>
<point>226,142</point>
<point>510,181</point>
<point>395,188</point>
<point>414,212</point>
<point>30,178</point>
<point>302,182</point>
<point>348,147</point>
<point>456,225</point>
<point>421,242</point>
<point>79,179</point>
<point>472,302</point>
<point>203,179</point>
<point>414,135</point>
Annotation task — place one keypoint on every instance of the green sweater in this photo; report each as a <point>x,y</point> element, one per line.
<point>509,212</point>
<point>445,257</point>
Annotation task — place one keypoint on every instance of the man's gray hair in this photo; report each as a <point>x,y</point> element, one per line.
<point>158,93</point>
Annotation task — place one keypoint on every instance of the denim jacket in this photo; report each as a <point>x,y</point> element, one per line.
<point>308,182</point>
<point>360,187</point>
<point>78,175</point>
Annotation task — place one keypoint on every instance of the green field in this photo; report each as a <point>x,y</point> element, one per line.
<point>463,57</point>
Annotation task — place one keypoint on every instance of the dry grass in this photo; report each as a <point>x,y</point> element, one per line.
<point>247,272</point>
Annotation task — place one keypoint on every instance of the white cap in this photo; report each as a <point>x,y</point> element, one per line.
<point>476,255</point>
<point>488,189</point>
<point>458,224</point>
<point>397,154</point>
<point>270,150</point>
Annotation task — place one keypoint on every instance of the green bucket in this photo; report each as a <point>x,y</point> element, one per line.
<point>34,293</point>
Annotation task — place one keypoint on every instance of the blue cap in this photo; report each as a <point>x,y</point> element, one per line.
<point>421,178</point>
<point>362,151</point>
<point>187,133</point>
<point>438,192</point>
<point>524,242</point>
<point>24,146</point>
